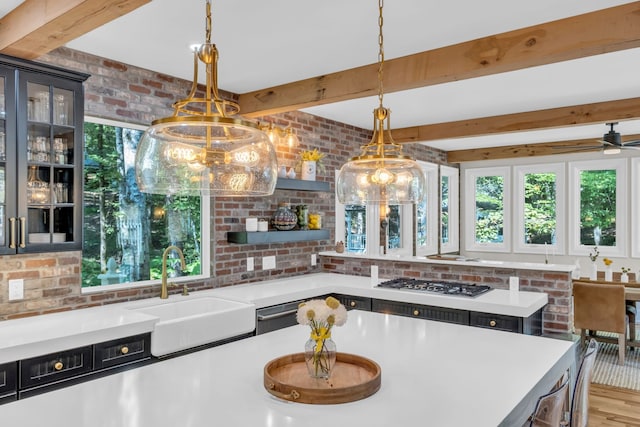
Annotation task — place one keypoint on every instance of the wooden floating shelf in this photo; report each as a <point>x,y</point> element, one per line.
<point>261,237</point>
<point>300,184</point>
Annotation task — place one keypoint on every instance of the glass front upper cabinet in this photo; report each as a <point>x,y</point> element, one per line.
<point>50,163</point>
<point>41,119</point>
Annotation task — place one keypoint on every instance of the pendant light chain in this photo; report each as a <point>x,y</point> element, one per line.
<point>380,51</point>
<point>208,23</point>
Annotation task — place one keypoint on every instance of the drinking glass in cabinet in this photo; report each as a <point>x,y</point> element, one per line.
<point>60,150</point>
<point>38,149</point>
<point>38,102</point>
<point>3,108</point>
<point>2,146</point>
<point>2,184</point>
<point>61,192</point>
<point>62,107</point>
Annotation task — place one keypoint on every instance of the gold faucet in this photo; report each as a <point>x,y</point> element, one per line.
<point>163,290</point>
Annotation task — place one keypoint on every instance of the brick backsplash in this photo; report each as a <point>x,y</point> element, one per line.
<point>129,94</point>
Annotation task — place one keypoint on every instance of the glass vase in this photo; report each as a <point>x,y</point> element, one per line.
<point>593,274</point>
<point>320,357</point>
<point>608,274</point>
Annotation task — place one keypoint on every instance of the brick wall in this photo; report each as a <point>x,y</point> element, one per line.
<point>556,316</point>
<point>121,92</point>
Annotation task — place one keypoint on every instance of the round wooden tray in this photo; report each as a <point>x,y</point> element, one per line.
<point>353,378</point>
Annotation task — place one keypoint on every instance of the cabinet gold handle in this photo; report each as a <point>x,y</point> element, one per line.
<point>23,228</point>
<point>12,233</point>
<point>416,312</point>
<point>492,323</point>
<point>124,350</point>
<point>352,303</point>
<point>58,366</point>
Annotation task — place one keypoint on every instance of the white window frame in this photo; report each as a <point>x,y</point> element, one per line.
<point>453,245</point>
<point>518,203</point>
<point>620,166</point>
<point>432,195</point>
<point>635,207</point>
<point>470,177</point>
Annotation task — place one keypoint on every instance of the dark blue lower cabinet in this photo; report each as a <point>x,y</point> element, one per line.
<point>8,382</point>
<point>55,370</point>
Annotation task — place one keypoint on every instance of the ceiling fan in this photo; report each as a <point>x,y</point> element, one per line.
<point>611,143</point>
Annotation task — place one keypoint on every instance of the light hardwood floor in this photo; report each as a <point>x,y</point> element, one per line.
<point>613,407</point>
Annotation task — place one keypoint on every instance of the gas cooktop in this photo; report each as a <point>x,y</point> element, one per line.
<point>434,286</point>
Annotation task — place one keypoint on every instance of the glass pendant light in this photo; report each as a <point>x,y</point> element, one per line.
<point>381,173</point>
<point>204,146</point>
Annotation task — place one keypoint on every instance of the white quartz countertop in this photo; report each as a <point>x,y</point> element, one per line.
<point>267,293</point>
<point>39,335</point>
<point>433,374</point>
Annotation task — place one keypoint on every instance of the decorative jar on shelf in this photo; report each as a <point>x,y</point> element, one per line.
<point>302,212</point>
<point>284,218</point>
<point>315,221</point>
<point>624,277</point>
<point>308,172</point>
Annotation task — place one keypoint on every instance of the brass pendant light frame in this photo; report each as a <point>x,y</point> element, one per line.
<point>217,152</point>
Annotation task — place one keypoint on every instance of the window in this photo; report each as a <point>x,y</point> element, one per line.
<point>488,221</point>
<point>366,228</point>
<point>355,228</point>
<point>126,231</point>
<point>539,209</point>
<point>427,213</point>
<point>598,202</point>
<point>449,207</point>
<point>635,207</point>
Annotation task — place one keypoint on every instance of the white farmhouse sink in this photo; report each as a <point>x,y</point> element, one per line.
<point>188,323</point>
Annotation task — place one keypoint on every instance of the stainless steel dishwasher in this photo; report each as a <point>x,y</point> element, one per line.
<point>276,317</point>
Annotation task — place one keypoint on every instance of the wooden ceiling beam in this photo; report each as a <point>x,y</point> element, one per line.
<point>597,112</point>
<point>529,150</point>
<point>37,27</point>
<point>594,33</point>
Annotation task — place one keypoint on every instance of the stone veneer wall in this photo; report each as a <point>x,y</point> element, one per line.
<point>124,93</point>
<point>556,316</point>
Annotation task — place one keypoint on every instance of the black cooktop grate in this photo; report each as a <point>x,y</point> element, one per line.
<point>435,286</point>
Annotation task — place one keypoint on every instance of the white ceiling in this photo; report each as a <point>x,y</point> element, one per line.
<point>266,43</point>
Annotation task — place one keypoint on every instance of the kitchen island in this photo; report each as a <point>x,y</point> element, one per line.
<point>433,373</point>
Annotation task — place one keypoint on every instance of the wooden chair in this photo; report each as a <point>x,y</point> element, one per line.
<point>550,408</point>
<point>601,307</point>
